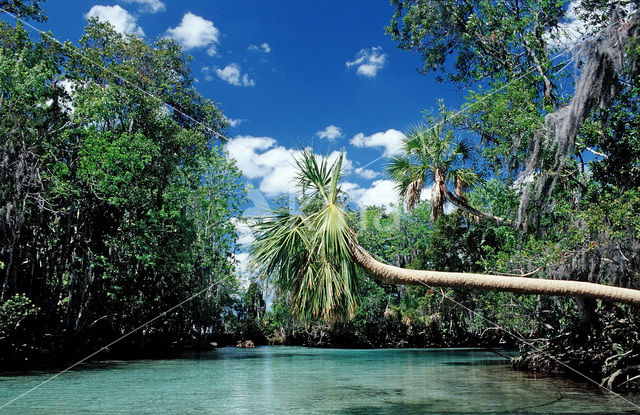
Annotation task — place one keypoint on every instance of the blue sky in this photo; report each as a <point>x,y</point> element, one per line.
<point>288,74</point>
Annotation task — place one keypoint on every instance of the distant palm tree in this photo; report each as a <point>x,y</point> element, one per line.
<point>311,254</point>
<point>430,157</point>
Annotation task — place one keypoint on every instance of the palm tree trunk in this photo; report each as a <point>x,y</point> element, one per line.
<point>522,285</point>
<point>437,195</point>
<point>461,204</point>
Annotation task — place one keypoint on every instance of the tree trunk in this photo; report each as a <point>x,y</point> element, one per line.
<point>437,196</point>
<point>522,285</point>
<point>459,203</point>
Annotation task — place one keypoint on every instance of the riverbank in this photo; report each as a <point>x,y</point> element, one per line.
<point>607,353</point>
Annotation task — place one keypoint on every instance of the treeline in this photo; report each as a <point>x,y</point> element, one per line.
<point>115,202</point>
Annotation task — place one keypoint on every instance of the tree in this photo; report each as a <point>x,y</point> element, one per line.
<point>115,206</point>
<point>485,39</point>
<point>310,254</point>
<point>431,157</point>
<point>24,8</point>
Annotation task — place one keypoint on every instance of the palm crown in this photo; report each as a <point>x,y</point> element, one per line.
<point>306,253</point>
<point>431,157</point>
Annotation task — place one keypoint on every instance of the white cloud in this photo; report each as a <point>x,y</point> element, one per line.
<point>273,165</point>
<point>243,227</point>
<point>264,47</point>
<point>390,140</point>
<point>569,32</point>
<point>119,18</point>
<point>260,158</point>
<point>368,61</point>
<point>366,173</point>
<point>150,6</point>
<point>244,149</point>
<point>573,28</point>
<point>196,32</point>
<point>233,75</point>
<point>381,193</point>
<point>207,73</point>
<point>331,132</point>
<point>234,122</point>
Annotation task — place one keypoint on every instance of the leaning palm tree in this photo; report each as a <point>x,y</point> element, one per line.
<point>311,253</point>
<point>430,157</point>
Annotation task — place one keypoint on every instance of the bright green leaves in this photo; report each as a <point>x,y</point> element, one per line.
<point>307,254</point>
<point>483,38</point>
<point>117,206</point>
<point>430,155</point>
<point>113,166</point>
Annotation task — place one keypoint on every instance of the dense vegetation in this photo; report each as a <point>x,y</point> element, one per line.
<point>115,205</point>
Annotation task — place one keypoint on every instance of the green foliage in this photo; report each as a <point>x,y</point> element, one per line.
<point>14,311</point>
<point>307,253</point>
<point>484,38</point>
<point>24,8</point>
<point>117,207</point>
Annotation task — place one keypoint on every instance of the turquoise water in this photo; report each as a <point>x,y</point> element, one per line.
<point>296,380</point>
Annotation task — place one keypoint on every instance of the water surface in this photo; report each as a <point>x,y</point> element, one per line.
<point>296,380</point>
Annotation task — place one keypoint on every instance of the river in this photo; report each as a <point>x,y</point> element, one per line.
<point>297,380</point>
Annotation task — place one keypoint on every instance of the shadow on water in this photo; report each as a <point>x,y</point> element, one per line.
<point>443,407</point>
<point>368,392</point>
<point>492,362</point>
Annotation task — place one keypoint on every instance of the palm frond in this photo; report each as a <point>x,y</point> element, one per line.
<point>463,148</point>
<point>312,176</point>
<point>280,248</point>
<point>307,254</point>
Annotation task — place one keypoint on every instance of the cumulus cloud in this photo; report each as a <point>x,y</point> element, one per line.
<point>246,150</point>
<point>149,6</point>
<point>243,228</point>
<point>118,17</point>
<point>331,132</point>
<point>195,32</point>
<point>273,165</point>
<point>233,122</point>
<point>366,173</point>
<point>264,47</point>
<point>390,140</point>
<point>233,75</point>
<point>368,61</point>
<point>380,193</point>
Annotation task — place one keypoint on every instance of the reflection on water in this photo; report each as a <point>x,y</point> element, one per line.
<point>296,380</point>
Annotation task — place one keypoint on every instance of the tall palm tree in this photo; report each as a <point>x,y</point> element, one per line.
<point>311,253</point>
<point>430,157</point>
